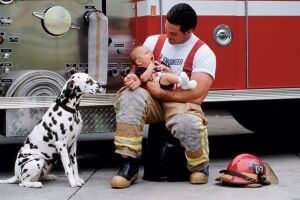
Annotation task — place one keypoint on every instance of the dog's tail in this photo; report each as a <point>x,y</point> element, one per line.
<point>11,180</point>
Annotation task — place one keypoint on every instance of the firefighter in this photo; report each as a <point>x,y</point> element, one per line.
<point>180,109</point>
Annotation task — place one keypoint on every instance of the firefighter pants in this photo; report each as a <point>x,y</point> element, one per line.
<point>186,121</point>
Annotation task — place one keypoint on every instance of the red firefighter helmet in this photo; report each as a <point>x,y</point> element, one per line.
<point>244,170</point>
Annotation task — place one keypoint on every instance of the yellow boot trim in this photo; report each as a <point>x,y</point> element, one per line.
<point>193,162</point>
<point>130,142</point>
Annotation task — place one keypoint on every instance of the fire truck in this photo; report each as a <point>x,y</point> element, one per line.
<point>43,42</point>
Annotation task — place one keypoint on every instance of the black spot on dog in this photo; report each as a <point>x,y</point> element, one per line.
<point>72,159</point>
<point>64,145</point>
<point>27,176</point>
<point>73,137</point>
<point>55,134</point>
<point>62,128</point>
<point>50,132</point>
<point>32,146</point>
<point>69,148</point>
<point>59,113</point>
<point>51,145</point>
<point>54,121</point>
<point>71,128</point>
<point>90,81</point>
<point>70,118</point>
<point>25,170</point>
<point>46,155</point>
<point>46,127</point>
<point>20,155</point>
<point>39,122</point>
<point>78,90</point>
<point>27,141</point>
<point>50,114</point>
<point>22,162</point>
<point>55,108</point>
<point>46,139</point>
<point>60,149</point>
<point>50,135</point>
<point>55,156</point>
<point>50,124</point>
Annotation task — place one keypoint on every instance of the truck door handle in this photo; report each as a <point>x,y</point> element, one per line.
<point>222,35</point>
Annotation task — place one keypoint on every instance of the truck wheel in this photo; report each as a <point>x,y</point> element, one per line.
<point>267,117</point>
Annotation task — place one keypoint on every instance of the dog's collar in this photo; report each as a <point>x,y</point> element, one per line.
<point>66,108</point>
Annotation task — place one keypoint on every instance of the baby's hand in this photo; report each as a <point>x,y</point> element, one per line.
<point>152,65</point>
<point>164,68</point>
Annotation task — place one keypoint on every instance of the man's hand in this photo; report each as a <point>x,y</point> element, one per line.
<point>154,89</point>
<point>132,81</point>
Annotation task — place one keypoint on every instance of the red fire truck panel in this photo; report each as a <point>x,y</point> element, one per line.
<point>264,48</point>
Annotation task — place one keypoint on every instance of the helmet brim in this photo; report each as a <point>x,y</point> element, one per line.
<point>227,179</point>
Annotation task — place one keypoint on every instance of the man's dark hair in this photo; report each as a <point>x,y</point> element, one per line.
<point>184,15</point>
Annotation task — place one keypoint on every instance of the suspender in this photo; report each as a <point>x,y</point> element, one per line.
<point>159,45</point>
<point>189,60</point>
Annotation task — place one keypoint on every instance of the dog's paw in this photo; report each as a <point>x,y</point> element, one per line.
<point>81,181</point>
<point>76,183</point>
<point>31,184</point>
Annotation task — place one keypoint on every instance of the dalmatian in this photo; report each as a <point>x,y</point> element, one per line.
<point>55,136</point>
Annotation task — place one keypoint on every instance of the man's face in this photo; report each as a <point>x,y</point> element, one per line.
<point>174,34</point>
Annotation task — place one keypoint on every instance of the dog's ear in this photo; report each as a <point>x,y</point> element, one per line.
<point>70,85</point>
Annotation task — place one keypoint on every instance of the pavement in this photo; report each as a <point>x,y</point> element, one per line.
<point>97,165</point>
<point>98,186</point>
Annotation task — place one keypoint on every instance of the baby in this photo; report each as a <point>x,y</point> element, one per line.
<point>147,69</point>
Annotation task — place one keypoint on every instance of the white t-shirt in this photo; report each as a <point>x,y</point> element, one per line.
<point>174,55</point>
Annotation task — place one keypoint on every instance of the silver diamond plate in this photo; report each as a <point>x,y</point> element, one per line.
<point>20,122</point>
<point>98,119</point>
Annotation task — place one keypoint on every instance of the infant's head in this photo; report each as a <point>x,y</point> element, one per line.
<point>141,56</point>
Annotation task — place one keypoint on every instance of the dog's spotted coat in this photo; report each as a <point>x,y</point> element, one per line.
<point>55,136</point>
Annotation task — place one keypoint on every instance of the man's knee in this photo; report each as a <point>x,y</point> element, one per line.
<point>130,105</point>
<point>187,128</point>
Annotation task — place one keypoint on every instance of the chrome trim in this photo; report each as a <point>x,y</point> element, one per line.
<point>6,2</point>
<point>46,101</point>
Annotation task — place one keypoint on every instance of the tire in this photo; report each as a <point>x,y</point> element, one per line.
<point>268,117</point>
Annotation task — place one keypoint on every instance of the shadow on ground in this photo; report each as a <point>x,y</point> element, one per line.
<point>100,153</point>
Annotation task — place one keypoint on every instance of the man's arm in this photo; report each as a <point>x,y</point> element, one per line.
<point>196,95</point>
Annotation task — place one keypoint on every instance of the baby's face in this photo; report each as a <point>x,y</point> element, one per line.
<point>145,56</point>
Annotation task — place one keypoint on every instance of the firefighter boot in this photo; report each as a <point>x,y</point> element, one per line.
<point>200,177</point>
<point>128,173</point>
